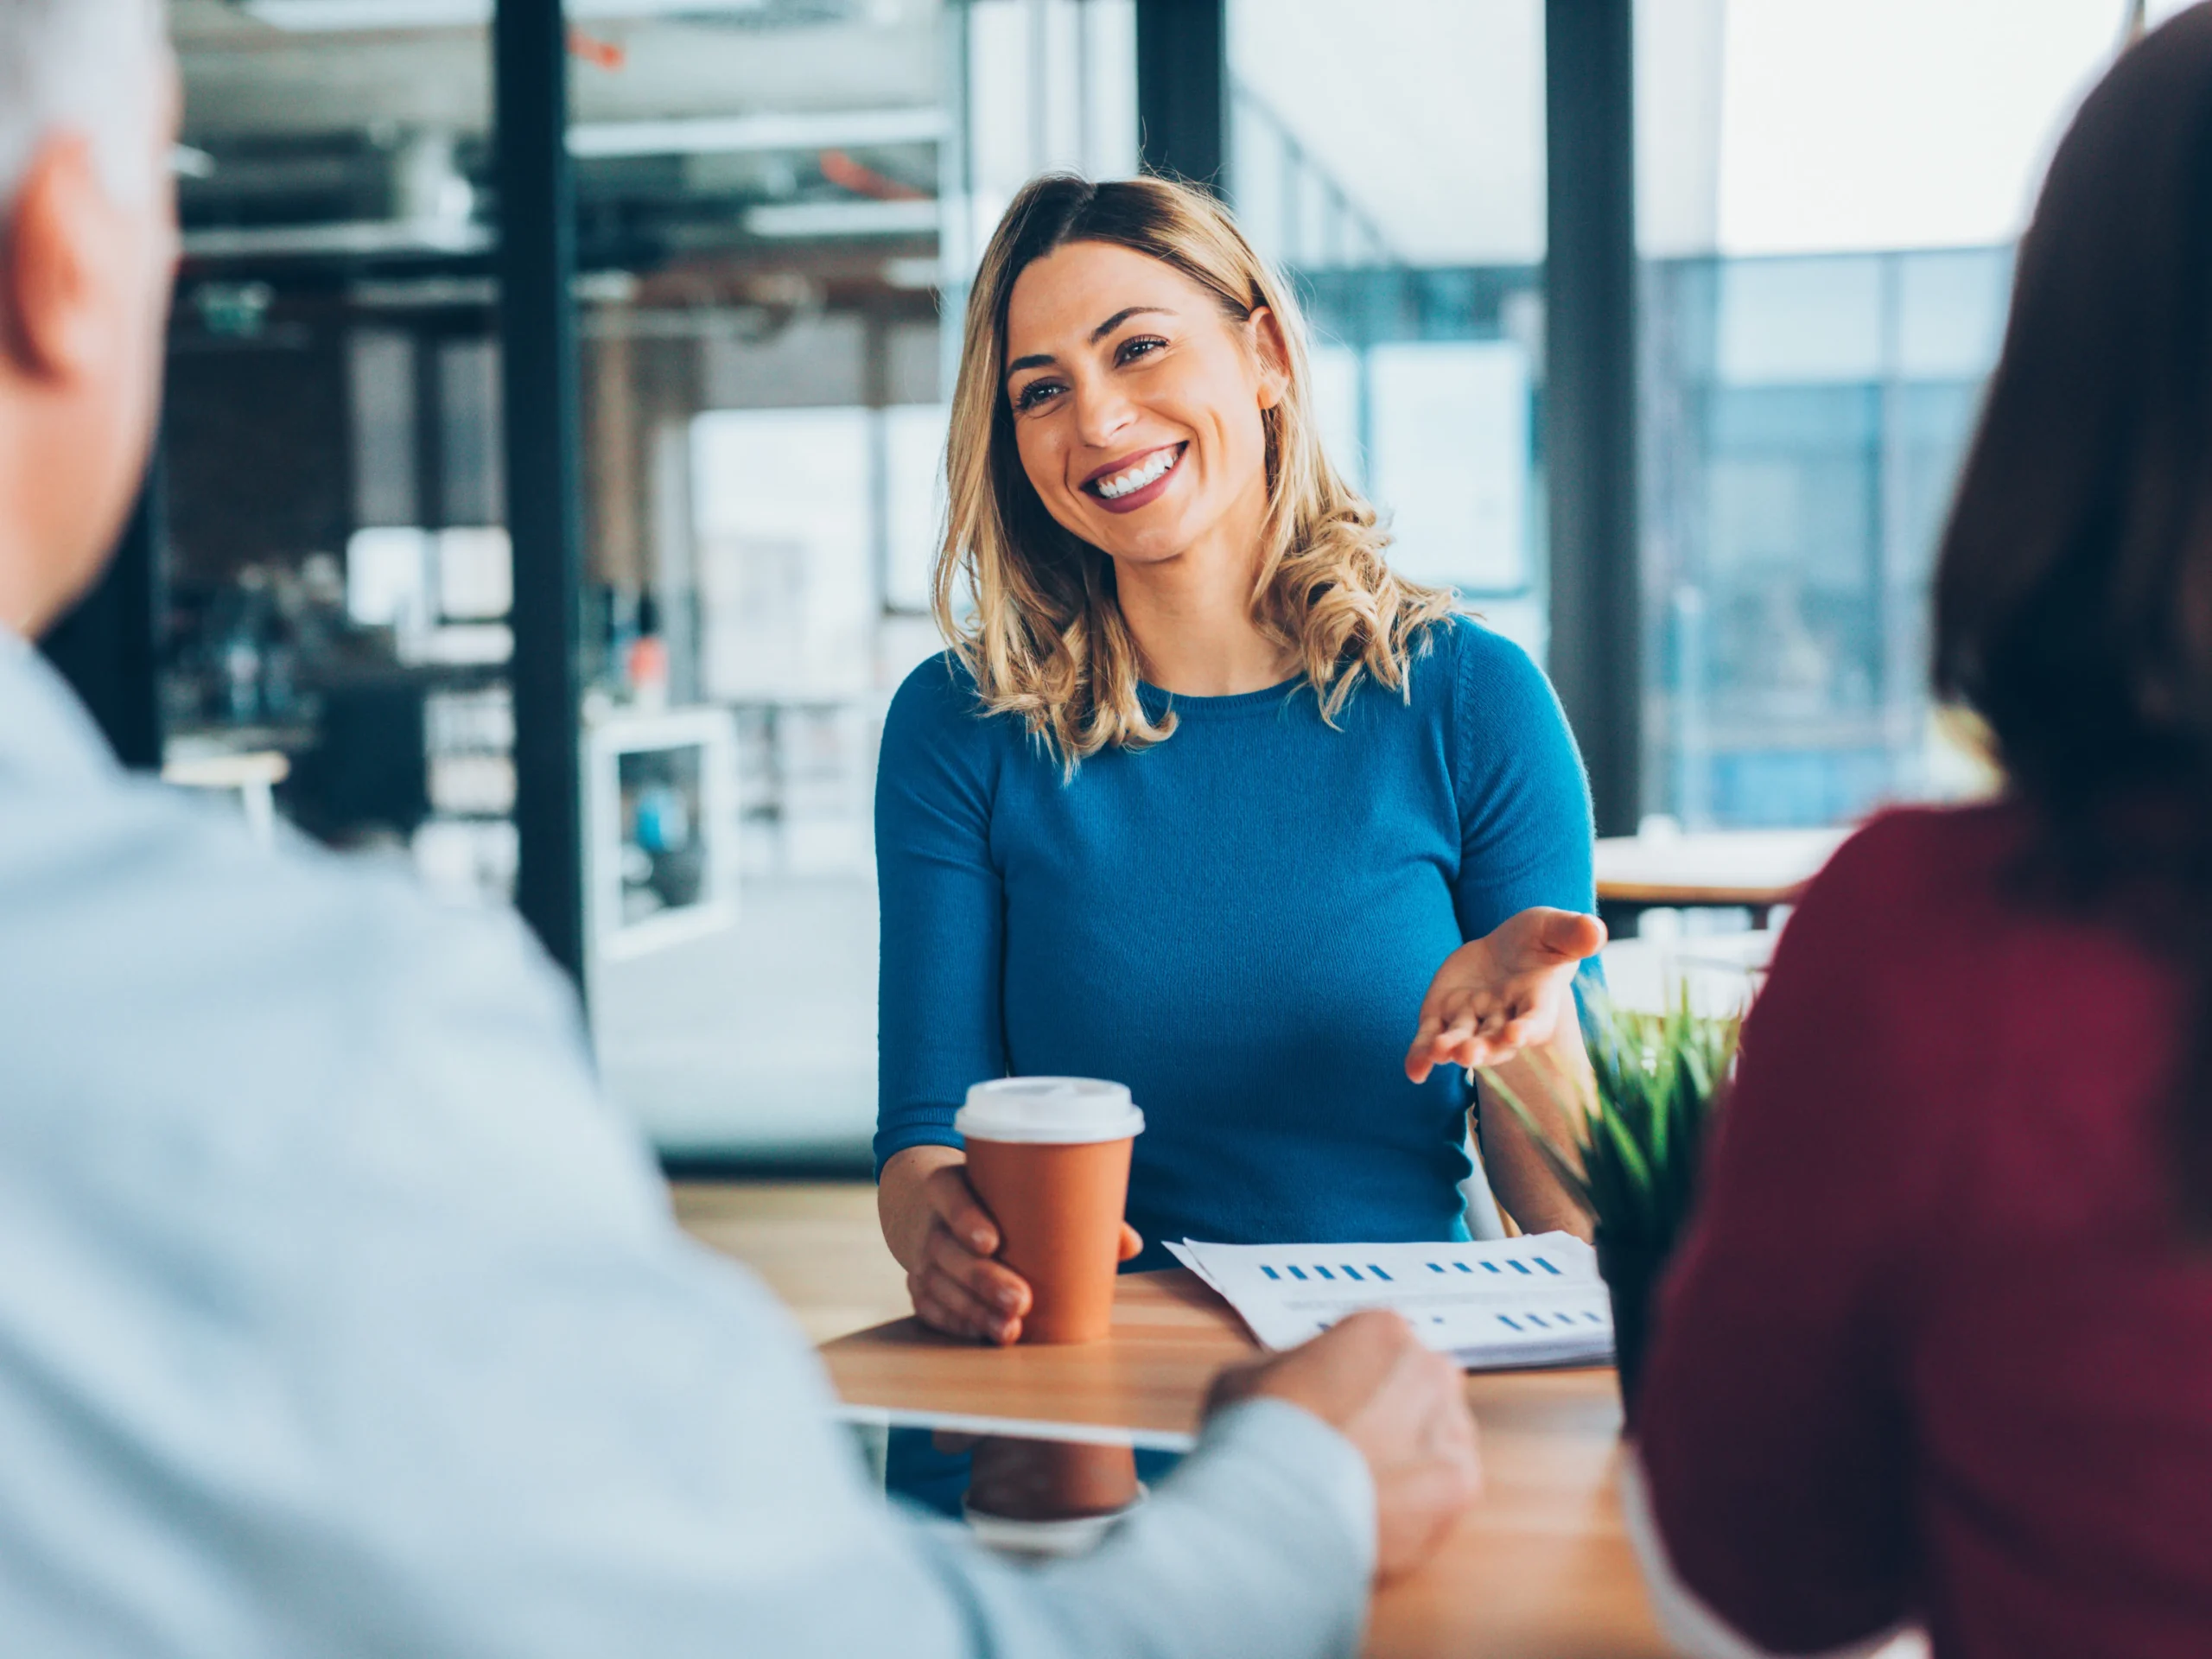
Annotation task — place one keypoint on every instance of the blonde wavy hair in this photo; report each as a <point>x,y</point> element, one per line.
<point>1047,638</point>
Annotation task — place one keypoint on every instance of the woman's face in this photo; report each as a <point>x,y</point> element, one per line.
<point>1136,402</point>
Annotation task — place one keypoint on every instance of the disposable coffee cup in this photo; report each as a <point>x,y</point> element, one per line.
<point>1019,1479</point>
<point>1049,1157</point>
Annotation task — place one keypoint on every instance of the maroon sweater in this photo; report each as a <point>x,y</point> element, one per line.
<point>1933,1350</point>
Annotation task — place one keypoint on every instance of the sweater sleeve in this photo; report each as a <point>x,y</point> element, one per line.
<point>1525,823</point>
<point>940,1017</point>
<point>1772,1420</point>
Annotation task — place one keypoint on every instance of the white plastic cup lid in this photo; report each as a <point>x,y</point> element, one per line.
<point>1049,1111</point>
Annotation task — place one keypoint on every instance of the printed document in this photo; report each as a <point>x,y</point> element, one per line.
<point>1492,1305</point>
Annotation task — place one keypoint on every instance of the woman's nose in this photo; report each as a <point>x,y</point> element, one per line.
<point>1101,415</point>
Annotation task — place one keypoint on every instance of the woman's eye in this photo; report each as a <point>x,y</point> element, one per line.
<point>1034,393</point>
<point>1143,346</point>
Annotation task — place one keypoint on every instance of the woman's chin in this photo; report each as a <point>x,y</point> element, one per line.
<point>1151,535</point>
<point>1139,552</point>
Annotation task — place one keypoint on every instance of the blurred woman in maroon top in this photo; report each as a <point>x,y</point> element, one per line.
<point>1940,1347</point>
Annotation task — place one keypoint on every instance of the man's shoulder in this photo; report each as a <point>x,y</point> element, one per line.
<point>149,949</point>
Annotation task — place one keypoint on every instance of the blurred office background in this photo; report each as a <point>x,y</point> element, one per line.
<point>769,213</point>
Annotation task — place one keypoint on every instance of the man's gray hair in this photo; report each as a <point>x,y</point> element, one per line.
<point>84,67</point>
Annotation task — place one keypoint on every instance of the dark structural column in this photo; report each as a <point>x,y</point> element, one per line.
<point>108,648</point>
<point>1590,393</point>
<point>1183,89</point>
<point>544,496</point>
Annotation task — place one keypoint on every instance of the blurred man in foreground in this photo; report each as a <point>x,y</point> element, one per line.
<point>338,1316</point>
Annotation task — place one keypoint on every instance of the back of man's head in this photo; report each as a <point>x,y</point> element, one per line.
<point>79,65</point>
<point>87,116</point>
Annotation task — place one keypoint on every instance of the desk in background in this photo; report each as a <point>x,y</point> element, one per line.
<point>1749,869</point>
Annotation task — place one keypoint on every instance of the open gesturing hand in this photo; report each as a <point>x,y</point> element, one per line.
<point>1504,992</point>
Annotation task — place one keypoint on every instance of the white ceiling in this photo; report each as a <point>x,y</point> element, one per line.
<point>245,78</point>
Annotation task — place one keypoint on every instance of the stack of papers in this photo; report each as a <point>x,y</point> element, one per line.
<point>1537,1300</point>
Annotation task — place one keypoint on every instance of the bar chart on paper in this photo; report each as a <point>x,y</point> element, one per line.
<point>1537,1300</point>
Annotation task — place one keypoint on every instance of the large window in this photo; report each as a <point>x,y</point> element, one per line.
<point>778,206</point>
<point>330,498</point>
<point>1829,194</point>
<point>1388,154</point>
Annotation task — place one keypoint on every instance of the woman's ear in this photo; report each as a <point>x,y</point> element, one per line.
<point>1272,351</point>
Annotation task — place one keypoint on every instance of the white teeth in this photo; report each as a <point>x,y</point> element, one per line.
<point>1137,477</point>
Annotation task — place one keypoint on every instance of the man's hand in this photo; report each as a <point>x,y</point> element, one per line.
<point>1503,993</point>
<point>1402,1407</point>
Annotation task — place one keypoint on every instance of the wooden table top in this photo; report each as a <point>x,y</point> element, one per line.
<point>1722,866</point>
<point>1541,1569</point>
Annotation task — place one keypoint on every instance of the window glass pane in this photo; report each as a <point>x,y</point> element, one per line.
<point>337,579</point>
<point>1828,195</point>
<point>777,205</point>
<point>1388,154</point>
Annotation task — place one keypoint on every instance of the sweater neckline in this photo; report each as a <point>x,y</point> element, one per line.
<point>1158,701</point>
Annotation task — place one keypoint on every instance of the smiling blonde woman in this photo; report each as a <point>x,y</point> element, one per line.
<point>1203,794</point>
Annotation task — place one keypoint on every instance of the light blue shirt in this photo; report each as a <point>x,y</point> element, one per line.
<point>339,1316</point>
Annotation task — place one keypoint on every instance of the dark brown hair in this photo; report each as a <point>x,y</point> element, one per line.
<point>2074,588</point>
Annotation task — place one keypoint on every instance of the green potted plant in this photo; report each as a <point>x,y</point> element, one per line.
<point>1637,1126</point>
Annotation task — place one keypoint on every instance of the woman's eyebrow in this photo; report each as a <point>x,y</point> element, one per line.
<point>1045,359</point>
<point>1123,316</point>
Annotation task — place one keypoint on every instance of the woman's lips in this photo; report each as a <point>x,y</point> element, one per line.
<point>1147,495</point>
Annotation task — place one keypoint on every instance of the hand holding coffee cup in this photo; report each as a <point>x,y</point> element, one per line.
<point>947,1240</point>
<point>1048,1157</point>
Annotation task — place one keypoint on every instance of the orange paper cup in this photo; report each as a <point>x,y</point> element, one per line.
<point>1049,1157</point>
<point>1049,1480</point>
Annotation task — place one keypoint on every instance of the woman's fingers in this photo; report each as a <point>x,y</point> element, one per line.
<point>992,1284</point>
<point>1524,1030</point>
<point>953,1202</point>
<point>963,1308</point>
<point>1571,935</point>
<point>1542,936</point>
<point>1446,1035</point>
<point>944,1305</point>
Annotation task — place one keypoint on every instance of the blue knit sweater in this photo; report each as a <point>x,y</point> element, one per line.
<point>1238,923</point>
